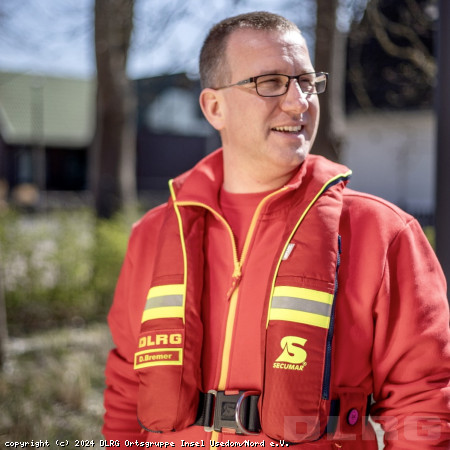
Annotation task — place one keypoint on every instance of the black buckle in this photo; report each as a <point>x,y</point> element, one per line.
<point>237,412</point>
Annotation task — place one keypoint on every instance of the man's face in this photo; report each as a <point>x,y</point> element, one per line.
<point>272,135</point>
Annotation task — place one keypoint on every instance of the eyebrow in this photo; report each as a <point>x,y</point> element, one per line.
<point>278,72</point>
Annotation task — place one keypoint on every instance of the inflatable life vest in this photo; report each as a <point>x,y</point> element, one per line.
<point>299,309</point>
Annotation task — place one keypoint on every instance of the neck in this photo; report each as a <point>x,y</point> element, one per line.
<point>241,186</point>
<point>242,180</point>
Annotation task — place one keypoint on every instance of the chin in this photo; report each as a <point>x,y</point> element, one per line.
<point>290,164</point>
<point>301,154</point>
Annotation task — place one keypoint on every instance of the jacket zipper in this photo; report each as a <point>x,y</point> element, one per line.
<point>233,292</point>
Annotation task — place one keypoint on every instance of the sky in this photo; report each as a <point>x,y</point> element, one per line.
<point>55,37</point>
<point>43,37</point>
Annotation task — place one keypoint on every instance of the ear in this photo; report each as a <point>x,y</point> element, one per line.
<point>212,105</point>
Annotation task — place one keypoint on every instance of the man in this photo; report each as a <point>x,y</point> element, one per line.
<point>266,303</point>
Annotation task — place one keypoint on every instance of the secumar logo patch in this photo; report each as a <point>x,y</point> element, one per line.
<point>159,349</point>
<point>293,356</point>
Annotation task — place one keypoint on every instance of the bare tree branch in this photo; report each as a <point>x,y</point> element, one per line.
<point>390,55</point>
<point>415,52</point>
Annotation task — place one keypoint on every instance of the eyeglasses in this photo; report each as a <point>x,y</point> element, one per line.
<point>276,84</point>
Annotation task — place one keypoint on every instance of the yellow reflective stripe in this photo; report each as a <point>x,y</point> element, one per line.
<point>169,289</point>
<point>307,318</point>
<point>164,302</point>
<point>308,294</point>
<point>163,313</point>
<point>301,305</point>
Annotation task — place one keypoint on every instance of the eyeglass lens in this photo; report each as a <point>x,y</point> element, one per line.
<point>273,85</point>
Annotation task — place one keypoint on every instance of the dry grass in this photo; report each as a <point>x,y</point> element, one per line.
<point>52,385</point>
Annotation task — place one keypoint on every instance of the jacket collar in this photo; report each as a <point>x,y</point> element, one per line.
<point>202,183</point>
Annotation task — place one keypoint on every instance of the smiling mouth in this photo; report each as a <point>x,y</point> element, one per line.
<point>296,129</point>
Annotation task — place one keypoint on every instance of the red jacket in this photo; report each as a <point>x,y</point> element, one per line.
<point>391,334</point>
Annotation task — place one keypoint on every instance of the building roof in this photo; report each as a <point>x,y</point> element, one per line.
<point>44,110</point>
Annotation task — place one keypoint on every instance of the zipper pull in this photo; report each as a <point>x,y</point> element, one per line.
<point>235,279</point>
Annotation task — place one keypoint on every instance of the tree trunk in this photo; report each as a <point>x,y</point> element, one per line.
<point>443,142</point>
<point>330,57</point>
<point>113,161</point>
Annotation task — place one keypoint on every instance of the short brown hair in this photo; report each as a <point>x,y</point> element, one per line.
<point>213,64</point>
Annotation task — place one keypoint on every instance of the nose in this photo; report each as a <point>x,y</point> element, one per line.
<point>294,100</point>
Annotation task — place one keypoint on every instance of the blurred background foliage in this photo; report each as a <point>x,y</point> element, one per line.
<point>52,385</point>
<point>59,271</point>
<point>59,268</point>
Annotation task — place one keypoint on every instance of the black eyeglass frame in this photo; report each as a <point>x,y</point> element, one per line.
<point>290,77</point>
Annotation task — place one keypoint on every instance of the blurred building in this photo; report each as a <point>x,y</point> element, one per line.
<point>393,155</point>
<point>172,132</point>
<point>47,126</point>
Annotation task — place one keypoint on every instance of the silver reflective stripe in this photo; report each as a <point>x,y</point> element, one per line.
<point>302,304</point>
<point>163,301</point>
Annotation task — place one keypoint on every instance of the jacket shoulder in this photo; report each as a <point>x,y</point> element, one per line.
<point>151,217</point>
<point>373,220</point>
<point>148,226</point>
<point>361,205</point>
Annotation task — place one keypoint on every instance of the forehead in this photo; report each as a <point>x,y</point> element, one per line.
<point>254,52</point>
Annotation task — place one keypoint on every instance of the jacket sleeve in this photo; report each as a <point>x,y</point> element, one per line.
<point>124,319</point>
<point>411,353</point>
<point>120,397</point>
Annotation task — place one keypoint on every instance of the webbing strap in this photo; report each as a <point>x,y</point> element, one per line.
<point>217,410</point>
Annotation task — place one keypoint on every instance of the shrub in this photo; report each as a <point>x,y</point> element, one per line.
<point>111,237</point>
<point>430,233</point>
<point>59,267</point>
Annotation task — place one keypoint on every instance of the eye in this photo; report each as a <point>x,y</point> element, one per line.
<point>307,83</point>
<point>272,81</point>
